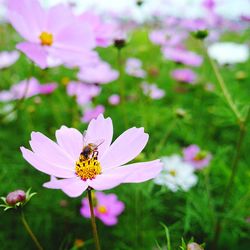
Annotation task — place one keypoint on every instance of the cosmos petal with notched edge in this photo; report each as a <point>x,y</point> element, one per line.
<point>50,151</point>
<point>138,172</point>
<point>73,187</point>
<point>27,17</point>
<point>35,52</point>
<point>46,167</point>
<point>100,129</point>
<point>71,140</point>
<point>125,148</point>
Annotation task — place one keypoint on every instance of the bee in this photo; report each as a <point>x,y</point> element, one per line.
<point>90,150</point>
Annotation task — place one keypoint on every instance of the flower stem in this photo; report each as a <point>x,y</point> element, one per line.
<point>28,229</point>
<point>122,85</point>
<point>223,86</point>
<point>93,223</point>
<point>242,133</point>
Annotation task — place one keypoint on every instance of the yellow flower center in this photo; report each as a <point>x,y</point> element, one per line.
<point>172,172</point>
<point>46,38</point>
<point>102,209</point>
<point>88,169</point>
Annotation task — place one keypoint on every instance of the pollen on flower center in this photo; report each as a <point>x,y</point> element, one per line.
<point>88,169</point>
<point>172,172</point>
<point>46,38</point>
<point>102,209</point>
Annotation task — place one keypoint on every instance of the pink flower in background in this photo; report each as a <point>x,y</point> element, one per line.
<point>184,75</point>
<point>114,99</point>
<point>196,157</point>
<point>83,92</point>
<point>107,208</point>
<point>100,73</point>
<point>51,35</point>
<point>26,89</point>
<point>7,58</point>
<point>152,91</point>
<point>182,56</point>
<point>103,31</point>
<point>133,68</point>
<point>167,37</point>
<point>64,159</point>
<point>209,4</point>
<point>91,113</point>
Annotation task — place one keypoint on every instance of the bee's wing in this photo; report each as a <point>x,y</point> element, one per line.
<point>97,143</point>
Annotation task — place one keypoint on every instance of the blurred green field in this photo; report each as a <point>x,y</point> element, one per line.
<point>208,122</point>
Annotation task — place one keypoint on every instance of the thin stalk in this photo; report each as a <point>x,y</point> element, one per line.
<point>93,223</point>
<point>230,184</point>
<point>122,86</point>
<point>223,86</point>
<point>31,234</point>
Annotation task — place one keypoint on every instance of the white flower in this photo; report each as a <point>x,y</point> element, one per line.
<point>176,174</point>
<point>228,52</point>
<point>7,58</point>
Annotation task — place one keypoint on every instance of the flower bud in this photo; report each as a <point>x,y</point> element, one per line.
<point>194,246</point>
<point>16,196</point>
<point>200,34</point>
<point>119,43</point>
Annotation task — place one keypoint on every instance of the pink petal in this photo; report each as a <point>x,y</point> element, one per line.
<point>35,52</point>
<point>138,172</point>
<point>105,181</point>
<point>73,187</point>
<point>27,17</point>
<point>50,151</point>
<point>125,148</point>
<point>58,17</point>
<point>108,219</point>
<point>100,129</point>
<point>71,140</point>
<point>45,166</point>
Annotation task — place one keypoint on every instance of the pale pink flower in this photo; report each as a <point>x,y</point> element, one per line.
<point>25,89</point>
<point>184,75</point>
<point>152,91</point>
<point>83,92</point>
<point>114,99</point>
<point>134,68</point>
<point>53,35</point>
<point>103,31</point>
<point>91,113</point>
<point>7,58</point>
<point>100,73</point>
<point>182,56</point>
<point>62,159</point>
<point>196,157</point>
<point>107,208</point>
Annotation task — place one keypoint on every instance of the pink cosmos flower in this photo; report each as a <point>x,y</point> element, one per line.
<point>196,157</point>
<point>152,91</point>
<point>107,208</point>
<point>114,99</point>
<point>51,35</point>
<point>184,75</point>
<point>91,113</point>
<point>167,37</point>
<point>133,68</point>
<point>26,89</point>
<point>100,171</point>
<point>83,92</point>
<point>100,73</point>
<point>103,31</point>
<point>7,58</point>
<point>182,56</point>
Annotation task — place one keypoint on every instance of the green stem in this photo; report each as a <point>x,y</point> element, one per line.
<point>223,86</point>
<point>230,184</point>
<point>93,223</point>
<point>122,86</point>
<point>28,229</point>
